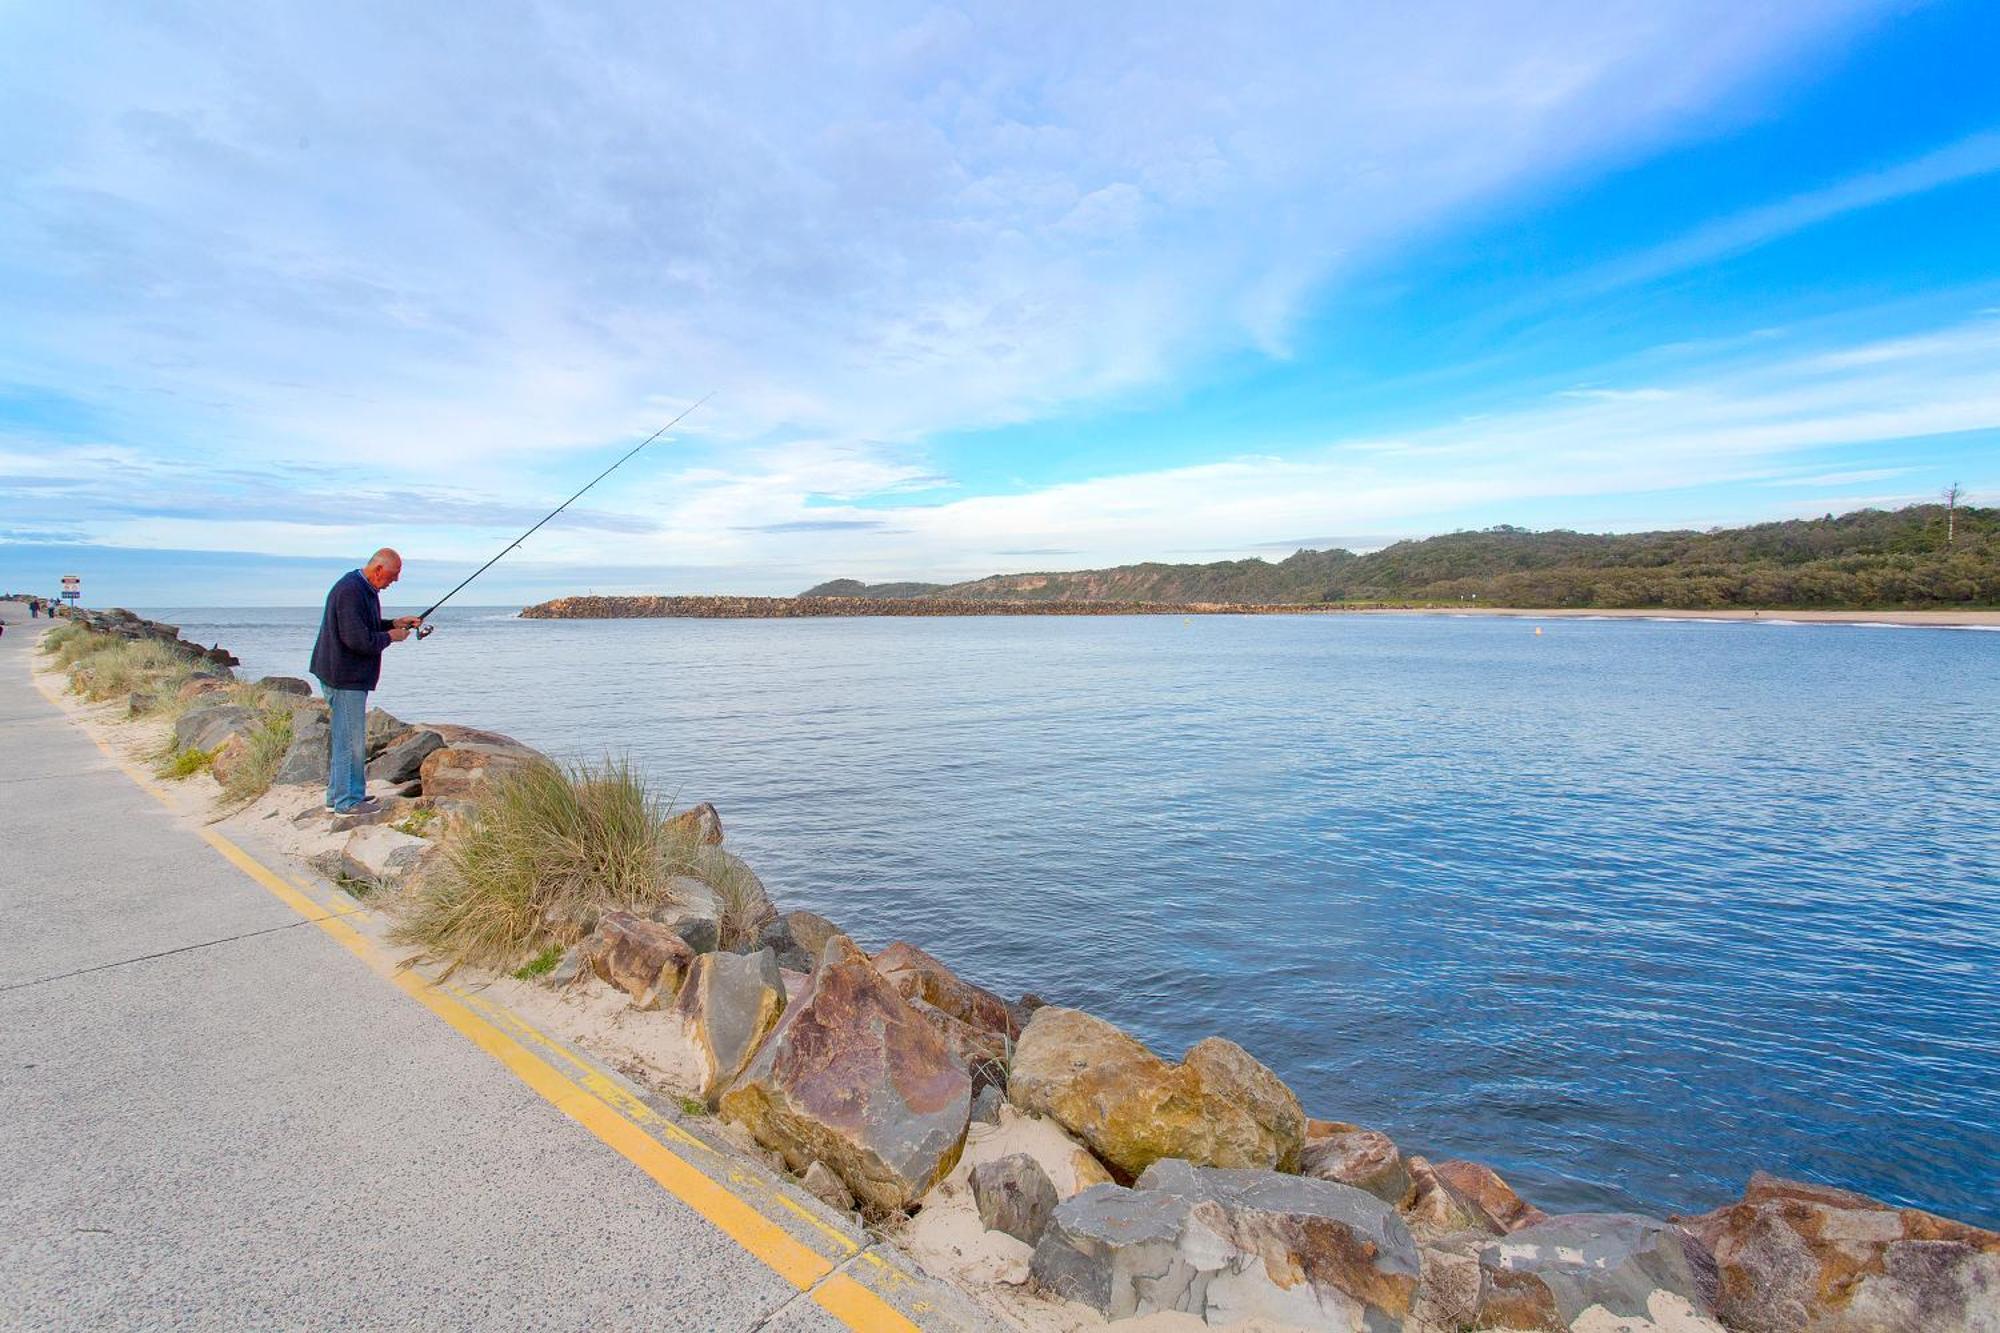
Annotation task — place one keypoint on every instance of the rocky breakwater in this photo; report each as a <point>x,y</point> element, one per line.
<point>784,608</point>
<point>123,624</point>
<point>1078,1171</point>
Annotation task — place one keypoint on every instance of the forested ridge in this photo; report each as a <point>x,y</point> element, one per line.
<point>1870,558</point>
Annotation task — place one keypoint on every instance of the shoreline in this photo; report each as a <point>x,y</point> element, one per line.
<point>1457,1211</point>
<point>805,608</point>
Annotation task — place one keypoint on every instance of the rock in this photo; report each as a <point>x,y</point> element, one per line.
<point>410,791</point>
<point>228,756</point>
<point>1218,1107</point>
<point>743,903</point>
<point>286,685</point>
<point>1490,1197</point>
<point>456,735</point>
<point>982,1054</point>
<point>387,812</point>
<point>402,760</point>
<point>701,823</point>
<point>826,1186</point>
<point>918,976</point>
<point>461,772</point>
<point>1433,1208</point>
<point>727,1006</point>
<point>1363,1158</point>
<point>575,962</point>
<point>986,1104</point>
<point>854,1078</point>
<point>197,686</point>
<point>1548,1274</point>
<point>640,957</point>
<point>1794,1257</point>
<point>1229,1245</point>
<point>306,758</point>
<point>777,937</point>
<point>810,932</point>
<point>383,855</point>
<point>698,930</point>
<point>138,702</point>
<point>380,728</point>
<point>1448,1290</point>
<point>208,725</point>
<point>1014,1195</point>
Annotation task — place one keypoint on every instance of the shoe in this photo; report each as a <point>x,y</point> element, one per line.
<point>367,805</point>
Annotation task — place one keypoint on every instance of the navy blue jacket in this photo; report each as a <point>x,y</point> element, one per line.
<point>352,634</point>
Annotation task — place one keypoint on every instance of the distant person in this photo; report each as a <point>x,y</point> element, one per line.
<point>34,609</point>
<point>347,659</point>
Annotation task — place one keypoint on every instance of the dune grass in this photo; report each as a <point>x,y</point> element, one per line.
<point>545,850</point>
<point>102,666</point>
<point>250,775</point>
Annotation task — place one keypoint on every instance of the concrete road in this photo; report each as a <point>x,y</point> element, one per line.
<point>213,1116</point>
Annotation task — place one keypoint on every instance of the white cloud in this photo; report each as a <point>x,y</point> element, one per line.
<point>424,238</point>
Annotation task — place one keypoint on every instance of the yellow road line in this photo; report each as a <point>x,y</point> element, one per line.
<point>838,1294</point>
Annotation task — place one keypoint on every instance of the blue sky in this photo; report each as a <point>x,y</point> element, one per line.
<point>977,289</point>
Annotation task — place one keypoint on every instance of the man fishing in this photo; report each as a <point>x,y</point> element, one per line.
<point>347,659</point>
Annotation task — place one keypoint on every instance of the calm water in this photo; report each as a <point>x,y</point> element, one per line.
<point>1626,910</point>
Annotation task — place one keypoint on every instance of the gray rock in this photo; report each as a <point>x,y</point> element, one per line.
<point>286,685</point>
<point>727,1006</point>
<point>777,937</point>
<point>208,726</point>
<point>382,728</point>
<point>1555,1270</point>
<point>986,1104</point>
<point>1014,1195</point>
<point>1208,1241</point>
<point>403,758</point>
<point>575,962</point>
<point>306,759</point>
<point>810,931</point>
<point>699,930</point>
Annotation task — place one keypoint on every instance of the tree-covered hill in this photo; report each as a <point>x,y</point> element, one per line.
<point>1869,558</point>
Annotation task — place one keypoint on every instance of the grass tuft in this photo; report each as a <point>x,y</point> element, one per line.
<point>419,823</point>
<point>250,776</point>
<point>544,851</point>
<point>186,763</point>
<point>541,964</point>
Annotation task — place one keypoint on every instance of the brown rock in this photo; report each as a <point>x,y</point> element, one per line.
<point>461,772</point>
<point>826,1186</point>
<point>1794,1257</point>
<point>855,1078</point>
<point>228,755</point>
<point>918,976</point>
<point>1218,1107</point>
<point>982,1054</point>
<point>1364,1158</point>
<point>640,957</point>
<point>1434,1208</point>
<point>1482,1188</point>
<point>701,822</point>
<point>199,686</point>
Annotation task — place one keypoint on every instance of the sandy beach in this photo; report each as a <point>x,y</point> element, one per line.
<point>1911,619</point>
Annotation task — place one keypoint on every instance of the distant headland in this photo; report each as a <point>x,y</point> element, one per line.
<point>1943,562</point>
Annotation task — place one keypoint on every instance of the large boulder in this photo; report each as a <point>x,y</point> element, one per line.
<point>1364,1158</point>
<point>1547,1275</point>
<point>1218,1107</point>
<point>196,687</point>
<point>463,771</point>
<point>1794,1257</point>
<point>640,957</point>
<point>980,1052</point>
<point>374,857</point>
<point>854,1078</point>
<point>810,931</point>
<point>402,760</point>
<point>208,725</point>
<point>1228,1245</point>
<point>1434,1209</point>
<point>918,976</point>
<point>291,685</point>
<point>306,758</point>
<point>727,1006</point>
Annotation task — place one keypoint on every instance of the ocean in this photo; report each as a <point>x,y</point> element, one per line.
<point>1626,909</point>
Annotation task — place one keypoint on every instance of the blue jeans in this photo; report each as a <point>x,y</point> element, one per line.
<point>347,748</point>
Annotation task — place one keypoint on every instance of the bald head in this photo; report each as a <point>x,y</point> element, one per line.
<point>383,568</point>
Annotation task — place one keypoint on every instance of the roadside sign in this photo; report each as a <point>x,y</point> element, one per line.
<point>72,588</point>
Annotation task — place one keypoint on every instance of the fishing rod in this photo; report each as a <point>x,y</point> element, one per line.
<point>424,630</point>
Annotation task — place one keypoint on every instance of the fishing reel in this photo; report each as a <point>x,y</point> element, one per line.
<point>424,630</point>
